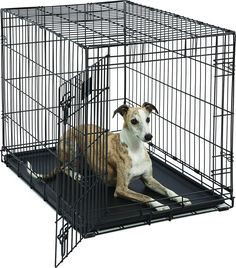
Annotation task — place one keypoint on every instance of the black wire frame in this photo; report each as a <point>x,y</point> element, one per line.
<point>186,68</point>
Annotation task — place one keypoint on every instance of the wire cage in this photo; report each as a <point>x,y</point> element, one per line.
<point>65,69</point>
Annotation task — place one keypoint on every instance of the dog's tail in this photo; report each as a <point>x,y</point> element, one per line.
<point>45,177</point>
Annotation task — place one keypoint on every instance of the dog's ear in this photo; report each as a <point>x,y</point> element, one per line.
<point>149,107</point>
<point>122,110</point>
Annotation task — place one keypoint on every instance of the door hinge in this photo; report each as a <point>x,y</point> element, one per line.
<point>3,39</point>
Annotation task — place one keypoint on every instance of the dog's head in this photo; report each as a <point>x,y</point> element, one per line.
<point>137,119</point>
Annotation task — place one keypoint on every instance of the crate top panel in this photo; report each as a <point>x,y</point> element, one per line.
<point>114,23</point>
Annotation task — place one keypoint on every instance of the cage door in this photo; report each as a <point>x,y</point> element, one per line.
<point>82,149</point>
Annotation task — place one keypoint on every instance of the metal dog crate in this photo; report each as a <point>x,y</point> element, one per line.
<point>72,65</point>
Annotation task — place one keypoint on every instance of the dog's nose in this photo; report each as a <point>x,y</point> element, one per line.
<point>148,137</point>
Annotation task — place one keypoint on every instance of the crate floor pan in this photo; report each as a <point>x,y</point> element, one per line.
<point>120,213</point>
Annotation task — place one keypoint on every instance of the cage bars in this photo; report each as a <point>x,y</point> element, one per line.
<point>62,69</point>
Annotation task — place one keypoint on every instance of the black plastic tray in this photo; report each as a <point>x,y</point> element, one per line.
<point>120,212</point>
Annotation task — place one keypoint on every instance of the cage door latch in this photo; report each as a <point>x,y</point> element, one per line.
<point>63,238</point>
<point>65,103</point>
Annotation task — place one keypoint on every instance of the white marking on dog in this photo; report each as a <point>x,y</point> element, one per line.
<point>158,206</point>
<point>137,152</point>
<point>142,127</point>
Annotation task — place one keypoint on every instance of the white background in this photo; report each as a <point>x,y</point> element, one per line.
<point>27,223</point>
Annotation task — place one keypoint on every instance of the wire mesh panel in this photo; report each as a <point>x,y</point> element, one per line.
<point>191,83</point>
<point>35,62</point>
<point>115,23</point>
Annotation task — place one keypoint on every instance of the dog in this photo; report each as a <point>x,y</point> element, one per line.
<point>126,156</point>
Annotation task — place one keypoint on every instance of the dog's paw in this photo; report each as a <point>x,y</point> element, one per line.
<point>183,201</point>
<point>76,177</point>
<point>186,202</point>
<point>162,208</point>
<point>159,206</point>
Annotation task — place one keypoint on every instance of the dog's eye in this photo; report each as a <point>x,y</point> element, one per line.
<point>148,119</point>
<point>134,121</point>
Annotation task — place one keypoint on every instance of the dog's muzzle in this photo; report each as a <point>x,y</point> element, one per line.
<point>148,137</point>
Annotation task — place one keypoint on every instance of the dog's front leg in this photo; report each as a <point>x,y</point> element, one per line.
<point>123,191</point>
<point>154,185</point>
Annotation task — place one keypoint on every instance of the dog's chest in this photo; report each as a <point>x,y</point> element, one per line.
<point>141,163</point>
